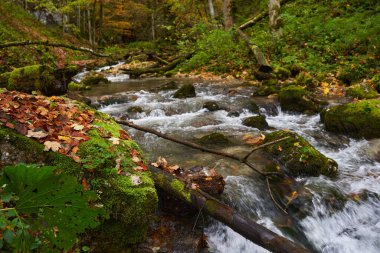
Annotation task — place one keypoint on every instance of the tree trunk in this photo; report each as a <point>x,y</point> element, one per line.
<point>89,25</point>
<point>227,17</point>
<point>211,9</point>
<point>274,15</point>
<point>227,215</point>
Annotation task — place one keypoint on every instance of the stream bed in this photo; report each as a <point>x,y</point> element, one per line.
<point>354,227</point>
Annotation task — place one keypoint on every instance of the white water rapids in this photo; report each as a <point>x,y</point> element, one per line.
<point>353,228</point>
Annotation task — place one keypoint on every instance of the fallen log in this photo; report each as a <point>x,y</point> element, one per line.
<point>168,67</point>
<point>51,44</point>
<point>227,215</point>
<point>243,160</point>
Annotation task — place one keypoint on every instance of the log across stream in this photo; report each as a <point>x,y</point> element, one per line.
<point>353,226</point>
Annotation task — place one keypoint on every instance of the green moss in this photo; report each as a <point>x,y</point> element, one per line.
<point>361,91</point>
<point>77,86</point>
<point>180,187</point>
<point>266,90</point>
<point>305,79</point>
<point>376,82</point>
<point>361,119</point>
<point>94,79</point>
<point>282,73</point>
<point>296,98</point>
<point>298,156</point>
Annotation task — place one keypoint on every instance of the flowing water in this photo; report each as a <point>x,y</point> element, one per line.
<point>354,227</point>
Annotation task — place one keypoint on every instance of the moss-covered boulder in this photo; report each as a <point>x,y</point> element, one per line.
<point>361,119</point>
<point>106,161</point>
<point>282,73</point>
<point>298,156</point>
<point>266,89</point>
<point>297,99</point>
<point>94,78</point>
<point>251,106</point>
<point>211,106</point>
<point>186,91</point>
<point>214,139</point>
<point>361,91</point>
<point>258,122</point>
<point>41,78</point>
<point>73,86</point>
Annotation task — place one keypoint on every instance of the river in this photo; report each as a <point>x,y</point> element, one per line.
<point>353,227</point>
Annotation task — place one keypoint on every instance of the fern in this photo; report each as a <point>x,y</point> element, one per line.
<point>44,207</point>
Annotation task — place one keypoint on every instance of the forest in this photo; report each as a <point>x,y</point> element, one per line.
<point>189,126</point>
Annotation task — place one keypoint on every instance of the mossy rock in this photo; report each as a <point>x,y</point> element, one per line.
<point>94,78</point>
<point>131,205</point>
<point>214,139</point>
<point>251,106</point>
<point>73,86</point>
<point>361,91</point>
<point>266,90</point>
<point>186,91</point>
<point>135,109</point>
<point>211,106</point>
<point>282,73</point>
<point>361,119</point>
<point>297,99</point>
<point>172,85</point>
<point>258,122</point>
<point>298,156</point>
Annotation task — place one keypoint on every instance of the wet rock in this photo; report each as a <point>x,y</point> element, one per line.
<point>78,97</point>
<point>172,85</point>
<point>211,106</point>
<point>94,78</point>
<point>296,99</point>
<point>207,179</point>
<point>266,90</point>
<point>361,91</point>
<point>361,119</point>
<point>258,122</point>
<point>233,114</point>
<point>260,75</point>
<point>112,99</point>
<point>135,109</point>
<point>214,139</point>
<point>251,106</point>
<point>186,91</point>
<point>298,156</point>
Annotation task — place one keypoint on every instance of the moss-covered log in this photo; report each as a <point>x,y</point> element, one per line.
<point>229,216</point>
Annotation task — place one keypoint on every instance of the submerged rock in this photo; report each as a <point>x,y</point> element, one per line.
<point>361,119</point>
<point>296,99</point>
<point>214,139</point>
<point>186,91</point>
<point>298,156</point>
<point>211,106</point>
<point>172,85</point>
<point>258,122</point>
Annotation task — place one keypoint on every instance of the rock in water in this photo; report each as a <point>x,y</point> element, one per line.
<point>258,122</point>
<point>186,91</point>
<point>211,106</point>
<point>296,99</point>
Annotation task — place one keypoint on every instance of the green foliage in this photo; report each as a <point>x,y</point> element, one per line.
<point>361,91</point>
<point>44,208</point>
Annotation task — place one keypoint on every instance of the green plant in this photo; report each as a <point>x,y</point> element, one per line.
<point>43,208</point>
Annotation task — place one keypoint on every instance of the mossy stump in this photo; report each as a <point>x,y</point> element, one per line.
<point>298,156</point>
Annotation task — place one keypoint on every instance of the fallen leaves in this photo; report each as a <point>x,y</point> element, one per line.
<point>163,164</point>
<point>37,134</point>
<point>254,140</point>
<point>52,145</point>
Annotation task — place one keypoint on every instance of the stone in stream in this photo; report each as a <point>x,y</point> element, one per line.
<point>297,99</point>
<point>214,139</point>
<point>135,109</point>
<point>298,156</point>
<point>258,122</point>
<point>94,78</point>
<point>211,106</point>
<point>361,119</point>
<point>251,106</point>
<point>172,85</point>
<point>186,91</point>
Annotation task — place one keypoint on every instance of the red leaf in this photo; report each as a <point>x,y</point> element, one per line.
<point>86,186</point>
<point>124,135</point>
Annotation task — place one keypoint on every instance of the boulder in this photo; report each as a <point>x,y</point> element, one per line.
<point>251,106</point>
<point>102,157</point>
<point>186,91</point>
<point>282,73</point>
<point>135,109</point>
<point>94,78</point>
<point>258,122</point>
<point>361,119</point>
<point>172,85</point>
<point>298,156</point>
<point>211,106</point>
<point>297,99</point>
